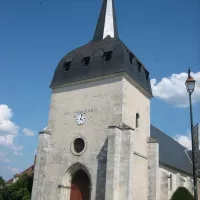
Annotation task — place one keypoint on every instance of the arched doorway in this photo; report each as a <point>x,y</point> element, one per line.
<point>80,186</point>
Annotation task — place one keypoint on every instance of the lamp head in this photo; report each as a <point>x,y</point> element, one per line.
<point>190,83</point>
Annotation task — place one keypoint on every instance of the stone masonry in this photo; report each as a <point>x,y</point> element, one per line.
<point>105,103</point>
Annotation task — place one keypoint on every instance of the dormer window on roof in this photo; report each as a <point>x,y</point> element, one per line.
<point>107,56</point>
<point>86,61</point>
<point>67,66</point>
<point>131,58</point>
<point>139,66</point>
<point>147,75</point>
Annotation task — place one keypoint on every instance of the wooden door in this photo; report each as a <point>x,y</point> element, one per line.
<point>79,191</point>
<point>75,193</point>
<point>80,187</point>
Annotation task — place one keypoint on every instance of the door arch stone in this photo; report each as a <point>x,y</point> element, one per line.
<point>80,186</point>
<point>70,177</point>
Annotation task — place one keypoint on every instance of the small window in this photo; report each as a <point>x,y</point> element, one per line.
<point>107,56</point>
<point>137,120</point>
<point>79,145</point>
<point>131,58</point>
<point>139,66</point>
<point>147,75</point>
<point>170,182</point>
<point>67,66</point>
<point>86,61</point>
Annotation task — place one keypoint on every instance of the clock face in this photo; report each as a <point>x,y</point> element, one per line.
<point>80,119</point>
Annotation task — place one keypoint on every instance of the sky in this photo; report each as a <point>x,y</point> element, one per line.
<point>36,34</point>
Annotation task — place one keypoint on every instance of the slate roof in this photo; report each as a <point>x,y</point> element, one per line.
<point>171,153</point>
<point>120,62</point>
<point>122,59</point>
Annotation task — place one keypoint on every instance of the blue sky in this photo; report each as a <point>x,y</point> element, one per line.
<point>36,34</point>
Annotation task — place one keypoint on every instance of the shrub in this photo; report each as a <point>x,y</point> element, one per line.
<point>182,194</point>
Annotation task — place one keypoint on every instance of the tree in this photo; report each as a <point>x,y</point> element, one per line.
<point>2,182</point>
<point>2,189</point>
<point>182,194</point>
<point>20,190</point>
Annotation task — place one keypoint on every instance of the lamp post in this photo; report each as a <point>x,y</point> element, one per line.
<point>190,85</point>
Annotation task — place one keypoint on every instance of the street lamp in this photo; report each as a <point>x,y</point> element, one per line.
<point>190,85</point>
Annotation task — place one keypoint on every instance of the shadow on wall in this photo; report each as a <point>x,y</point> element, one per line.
<point>101,172</point>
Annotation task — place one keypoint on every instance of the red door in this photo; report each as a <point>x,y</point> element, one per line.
<point>75,193</point>
<point>80,186</point>
<point>79,191</point>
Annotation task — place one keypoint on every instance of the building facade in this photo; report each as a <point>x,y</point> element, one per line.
<point>99,144</point>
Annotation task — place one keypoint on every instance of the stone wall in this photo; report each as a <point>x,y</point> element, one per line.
<point>153,170</point>
<point>135,100</point>
<point>41,165</point>
<point>198,186</point>
<point>164,185</point>
<point>127,164</point>
<point>171,180</point>
<point>101,102</point>
<point>106,102</point>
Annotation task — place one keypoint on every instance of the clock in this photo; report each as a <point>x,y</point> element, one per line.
<point>80,119</point>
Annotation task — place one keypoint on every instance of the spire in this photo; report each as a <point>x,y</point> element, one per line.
<point>107,24</point>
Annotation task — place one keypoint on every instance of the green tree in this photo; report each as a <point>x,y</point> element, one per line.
<point>20,190</point>
<point>182,194</point>
<point>2,182</point>
<point>2,189</point>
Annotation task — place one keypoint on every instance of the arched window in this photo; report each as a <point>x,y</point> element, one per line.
<point>137,121</point>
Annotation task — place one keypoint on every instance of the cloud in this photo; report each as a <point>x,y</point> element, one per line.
<point>7,140</point>
<point>172,89</point>
<point>6,113</point>
<point>3,157</point>
<point>28,132</point>
<point>184,140</point>
<point>17,150</point>
<point>6,125</point>
<point>8,130</point>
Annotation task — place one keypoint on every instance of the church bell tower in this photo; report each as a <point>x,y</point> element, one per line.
<point>95,146</point>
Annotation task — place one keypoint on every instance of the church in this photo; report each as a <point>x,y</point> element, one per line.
<point>99,143</point>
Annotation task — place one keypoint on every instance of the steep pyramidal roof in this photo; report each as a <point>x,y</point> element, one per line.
<point>105,55</point>
<point>107,24</point>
